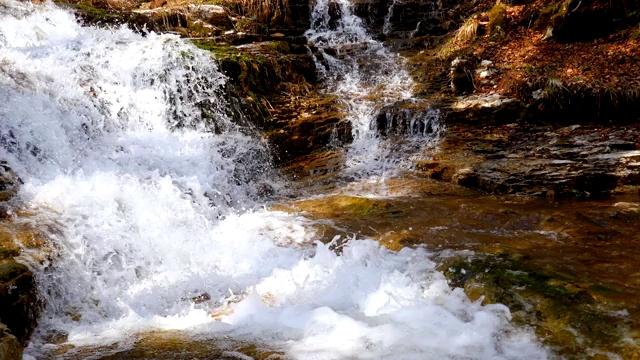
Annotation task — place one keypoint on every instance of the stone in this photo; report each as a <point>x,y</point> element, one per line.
<point>461,75</point>
<point>19,306</point>
<point>9,182</point>
<point>117,4</point>
<point>486,109</point>
<point>497,22</point>
<point>408,117</point>
<point>335,14</point>
<point>213,14</point>
<point>10,348</point>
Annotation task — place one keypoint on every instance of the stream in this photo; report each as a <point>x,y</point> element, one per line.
<point>165,244</point>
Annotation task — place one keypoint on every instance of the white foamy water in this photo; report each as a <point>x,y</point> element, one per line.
<point>127,142</point>
<point>367,77</point>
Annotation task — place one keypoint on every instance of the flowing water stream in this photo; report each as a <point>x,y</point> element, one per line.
<point>367,77</point>
<point>128,144</point>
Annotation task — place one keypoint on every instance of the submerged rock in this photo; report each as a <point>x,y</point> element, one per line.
<point>565,314</point>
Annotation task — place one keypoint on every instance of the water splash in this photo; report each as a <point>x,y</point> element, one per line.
<point>130,143</point>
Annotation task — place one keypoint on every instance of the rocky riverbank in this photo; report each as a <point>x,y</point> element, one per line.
<point>536,103</point>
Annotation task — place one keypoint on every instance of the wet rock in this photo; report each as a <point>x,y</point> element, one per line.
<point>408,117</point>
<point>18,300</point>
<point>335,14</point>
<point>399,19</point>
<point>9,182</point>
<point>117,4</point>
<point>568,162</point>
<point>372,12</point>
<point>96,16</point>
<point>203,297</point>
<point>305,133</point>
<point>10,348</point>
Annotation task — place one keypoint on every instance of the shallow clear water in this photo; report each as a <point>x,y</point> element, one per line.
<point>157,206</point>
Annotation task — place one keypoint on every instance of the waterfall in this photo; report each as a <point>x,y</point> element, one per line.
<point>386,27</point>
<point>367,77</point>
<point>129,145</point>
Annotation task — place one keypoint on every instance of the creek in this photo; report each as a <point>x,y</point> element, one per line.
<point>173,236</point>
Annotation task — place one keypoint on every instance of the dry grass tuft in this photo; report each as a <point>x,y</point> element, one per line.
<point>264,11</point>
<point>467,33</point>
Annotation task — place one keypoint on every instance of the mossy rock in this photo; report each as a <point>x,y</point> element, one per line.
<point>497,22</point>
<point>564,314</point>
<point>92,15</point>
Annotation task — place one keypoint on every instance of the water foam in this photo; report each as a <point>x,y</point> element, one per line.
<point>157,207</point>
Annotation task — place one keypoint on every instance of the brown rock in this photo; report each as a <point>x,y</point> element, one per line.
<point>18,301</point>
<point>10,348</point>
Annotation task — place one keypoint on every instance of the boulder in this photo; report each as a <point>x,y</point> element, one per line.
<point>518,158</point>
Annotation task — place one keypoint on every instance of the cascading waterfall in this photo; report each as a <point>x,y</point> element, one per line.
<point>386,27</point>
<point>127,143</point>
<point>367,77</point>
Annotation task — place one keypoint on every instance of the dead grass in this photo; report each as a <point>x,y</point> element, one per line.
<point>263,11</point>
<point>467,33</point>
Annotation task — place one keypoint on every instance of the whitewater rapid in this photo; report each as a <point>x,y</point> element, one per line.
<point>129,145</point>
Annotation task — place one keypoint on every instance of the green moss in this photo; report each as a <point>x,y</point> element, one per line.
<point>220,50</point>
<point>497,21</point>
<point>565,316</point>
<point>551,14</point>
<point>106,17</point>
<point>282,47</point>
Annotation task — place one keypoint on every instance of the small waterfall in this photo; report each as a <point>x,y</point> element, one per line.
<point>127,143</point>
<point>365,75</point>
<point>386,27</point>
